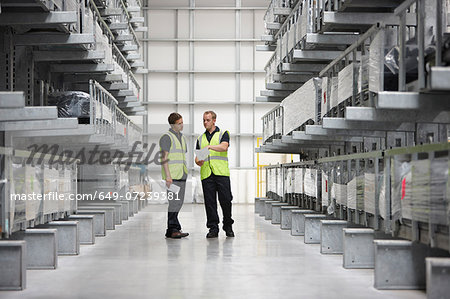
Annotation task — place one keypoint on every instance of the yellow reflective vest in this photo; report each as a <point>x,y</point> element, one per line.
<point>176,157</point>
<point>217,162</point>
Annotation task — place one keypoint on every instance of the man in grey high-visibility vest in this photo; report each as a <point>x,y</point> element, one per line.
<point>215,176</point>
<point>174,171</point>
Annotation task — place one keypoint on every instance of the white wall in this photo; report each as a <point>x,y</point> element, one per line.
<point>215,87</point>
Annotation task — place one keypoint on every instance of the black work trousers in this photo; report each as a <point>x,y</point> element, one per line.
<point>175,204</point>
<point>212,186</point>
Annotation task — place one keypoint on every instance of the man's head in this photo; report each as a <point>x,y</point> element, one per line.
<point>209,120</point>
<point>176,122</point>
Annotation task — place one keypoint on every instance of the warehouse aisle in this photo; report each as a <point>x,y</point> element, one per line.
<point>136,261</point>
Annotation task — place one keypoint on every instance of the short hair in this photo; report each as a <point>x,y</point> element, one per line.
<point>173,117</point>
<point>213,114</point>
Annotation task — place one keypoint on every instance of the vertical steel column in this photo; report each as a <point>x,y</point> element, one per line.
<point>3,194</point>
<point>341,182</point>
<point>355,77</point>
<point>332,181</point>
<point>431,227</point>
<point>377,193</point>
<point>5,176</point>
<point>421,41</point>
<point>414,223</point>
<point>176,60</point>
<point>439,27</point>
<point>349,213</point>
<point>238,81</point>
<point>145,78</point>
<point>266,181</point>
<point>357,172</point>
<point>253,87</point>
<point>91,104</point>
<point>361,94</point>
<point>191,75</point>
<point>365,216</point>
<point>402,41</point>
<point>387,182</point>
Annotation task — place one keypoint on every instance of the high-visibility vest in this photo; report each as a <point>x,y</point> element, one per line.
<point>217,162</point>
<point>176,157</point>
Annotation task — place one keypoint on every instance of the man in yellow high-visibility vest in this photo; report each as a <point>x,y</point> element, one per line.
<point>174,171</point>
<point>215,175</point>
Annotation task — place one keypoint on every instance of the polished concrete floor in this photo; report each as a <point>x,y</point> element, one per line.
<point>262,261</point>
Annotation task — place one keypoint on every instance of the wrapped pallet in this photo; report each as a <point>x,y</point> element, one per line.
<point>51,181</point>
<point>401,190</point>
<point>120,127</point>
<point>68,188</point>
<point>293,180</point>
<point>266,129</point>
<point>278,124</point>
<point>339,193</point>
<point>420,199</point>
<point>301,106</point>
<point>61,190</point>
<point>279,182</point>
<point>346,81</point>
<point>273,181</point>
<point>291,39</point>
<point>334,92</point>
<point>269,181</point>
<point>382,202</point>
<point>305,23</point>
<point>17,212</point>
<point>288,181</point>
<point>363,74</point>
<point>369,192</point>
<point>310,182</point>
<point>376,65</point>
<point>439,198</point>
<point>298,178</point>
<point>71,103</point>
<point>278,50</point>
<point>355,193</point>
<point>360,192</point>
<point>123,179</point>
<point>33,186</point>
<point>351,194</point>
<point>272,67</point>
<point>325,97</point>
<point>324,189</point>
<point>284,45</point>
<point>384,40</point>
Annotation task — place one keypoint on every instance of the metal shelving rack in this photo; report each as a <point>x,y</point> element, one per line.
<point>81,47</point>
<point>19,174</point>
<point>381,105</point>
<point>60,46</point>
<point>311,35</point>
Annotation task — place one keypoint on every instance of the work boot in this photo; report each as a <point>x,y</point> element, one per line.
<point>177,235</point>
<point>229,232</point>
<point>212,234</point>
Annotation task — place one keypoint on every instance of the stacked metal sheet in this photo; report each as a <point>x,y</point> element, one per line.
<point>301,106</point>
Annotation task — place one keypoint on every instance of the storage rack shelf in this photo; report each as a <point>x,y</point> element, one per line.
<point>56,47</point>
<point>372,190</point>
<point>315,33</point>
<point>368,116</point>
<point>80,46</point>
